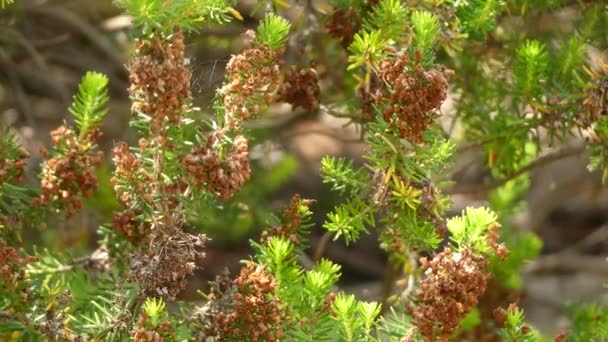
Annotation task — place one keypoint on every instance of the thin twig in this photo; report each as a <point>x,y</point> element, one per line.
<point>12,36</point>
<point>598,236</point>
<point>321,246</point>
<point>50,42</point>
<point>78,25</point>
<point>544,160</point>
<point>570,259</point>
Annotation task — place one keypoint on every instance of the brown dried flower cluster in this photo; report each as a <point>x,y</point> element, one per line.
<point>413,94</point>
<point>134,186</point>
<point>301,89</point>
<point>343,24</point>
<point>145,331</point>
<point>160,80</point>
<point>167,264</point>
<point>12,169</point>
<point>220,174</point>
<point>70,172</point>
<point>129,171</point>
<point>451,288</point>
<point>254,314</point>
<point>253,77</point>
<point>492,315</point>
<point>12,266</point>
<point>125,223</point>
<point>292,218</point>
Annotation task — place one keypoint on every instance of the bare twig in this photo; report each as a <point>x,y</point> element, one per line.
<point>570,258</point>
<point>50,42</point>
<point>13,36</point>
<point>81,27</point>
<point>321,246</point>
<point>569,261</point>
<point>544,160</point>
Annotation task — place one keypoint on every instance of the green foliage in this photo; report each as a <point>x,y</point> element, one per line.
<point>155,309</point>
<point>350,220</point>
<point>90,103</point>
<point>273,31</point>
<point>570,62</point>
<point>168,15</point>
<point>389,17</point>
<point>242,215</point>
<point>342,175</point>
<point>394,325</point>
<point>589,322</point>
<point>471,228</point>
<point>356,318</point>
<point>4,3</point>
<point>366,50</point>
<point>531,69</point>
<point>516,329</point>
<point>512,96</point>
<point>426,28</point>
<point>478,17</point>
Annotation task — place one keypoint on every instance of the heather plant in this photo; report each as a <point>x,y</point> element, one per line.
<point>393,65</point>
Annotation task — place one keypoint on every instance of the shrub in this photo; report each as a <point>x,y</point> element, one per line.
<point>393,66</point>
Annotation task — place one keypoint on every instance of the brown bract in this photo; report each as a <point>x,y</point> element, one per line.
<point>220,170</point>
<point>411,94</point>
<point>452,286</point>
<point>252,78</point>
<point>12,265</point>
<point>144,331</point>
<point>160,80</point>
<point>292,218</point>
<point>11,170</point>
<point>70,173</point>
<point>450,290</point>
<point>343,24</point>
<point>254,313</point>
<point>301,89</point>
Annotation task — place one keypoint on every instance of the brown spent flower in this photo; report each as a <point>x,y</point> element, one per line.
<point>11,265</point>
<point>169,261</point>
<point>451,288</point>
<point>129,171</point>
<point>12,169</point>
<point>254,314</point>
<point>221,175</point>
<point>160,80</point>
<point>343,24</point>
<point>253,76</point>
<point>301,89</point>
<point>144,331</point>
<point>124,222</point>
<point>292,219</point>
<point>71,172</point>
<point>413,94</point>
